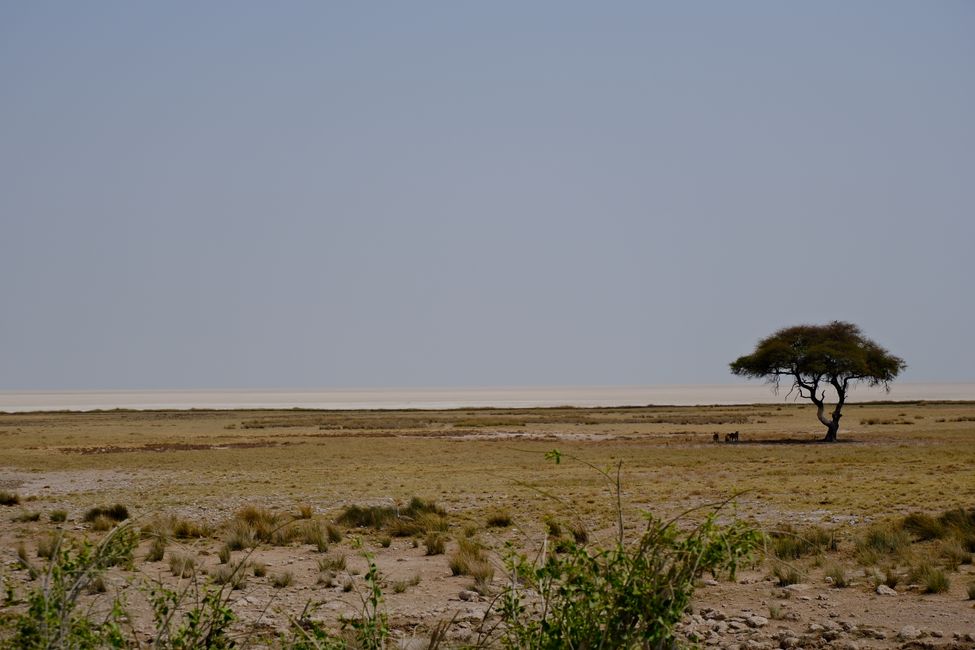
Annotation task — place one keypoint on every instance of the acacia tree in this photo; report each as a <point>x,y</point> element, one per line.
<point>815,357</point>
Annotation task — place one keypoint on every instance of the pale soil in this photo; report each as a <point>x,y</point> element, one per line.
<point>211,488</point>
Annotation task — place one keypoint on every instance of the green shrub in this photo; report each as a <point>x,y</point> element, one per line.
<point>630,595</point>
<point>51,620</point>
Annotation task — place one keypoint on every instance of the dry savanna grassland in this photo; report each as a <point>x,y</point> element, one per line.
<point>294,516</point>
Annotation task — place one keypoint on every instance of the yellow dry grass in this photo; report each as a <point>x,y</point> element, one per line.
<point>892,458</point>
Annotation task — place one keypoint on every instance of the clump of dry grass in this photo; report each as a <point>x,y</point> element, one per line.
<point>399,586</point>
<point>333,533</point>
<point>436,543</point>
<point>470,560</point>
<point>27,516</point>
<point>933,580</point>
<point>332,563</point>
<point>260,520</point>
<point>115,513</point>
<point>881,540</point>
<point>48,544</point>
<point>418,517</point>
<point>786,574</point>
<point>305,511</point>
<point>259,569</point>
<point>792,544</point>
<point>157,550</point>
<point>230,574</point>
<point>58,516</point>
<point>9,498</point>
<point>499,518</point>
<point>837,576</point>
<point>313,534</point>
<point>182,565</point>
<point>240,535</point>
<point>102,523</point>
<point>282,580</point>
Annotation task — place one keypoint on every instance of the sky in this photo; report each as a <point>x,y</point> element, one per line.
<point>314,194</point>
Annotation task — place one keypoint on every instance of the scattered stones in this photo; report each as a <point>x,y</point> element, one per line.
<point>756,621</point>
<point>845,644</point>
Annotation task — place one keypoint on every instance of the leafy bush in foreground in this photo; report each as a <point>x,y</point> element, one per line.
<point>629,595</point>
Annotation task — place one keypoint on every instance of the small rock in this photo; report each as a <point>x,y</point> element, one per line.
<point>472,596</point>
<point>909,633</point>
<point>710,582</point>
<point>938,634</point>
<point>884,590</point>
<point>756,621</point>
<point>845,644</point>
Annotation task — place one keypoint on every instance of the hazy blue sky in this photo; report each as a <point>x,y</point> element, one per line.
<point>233,194</point>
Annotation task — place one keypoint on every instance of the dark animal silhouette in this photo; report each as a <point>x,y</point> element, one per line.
<point>731,437</point>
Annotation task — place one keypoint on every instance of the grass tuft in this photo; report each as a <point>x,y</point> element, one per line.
<point>470,560</point>
<point>282,580</point>
<point>157,550</point>
<point>786,575</point>
<point>115,513</point>
<point>837,576</point>
<point>182,565</point>
<point>500,518</point>
<point>9,498</point>
<point>436,544</point>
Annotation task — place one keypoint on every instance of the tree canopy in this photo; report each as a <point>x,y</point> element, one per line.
<point>815,357</point>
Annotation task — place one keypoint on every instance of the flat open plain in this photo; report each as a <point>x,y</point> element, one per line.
<point>893,459</point>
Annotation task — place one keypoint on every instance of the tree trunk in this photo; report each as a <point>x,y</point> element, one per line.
<point>831,430</point>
